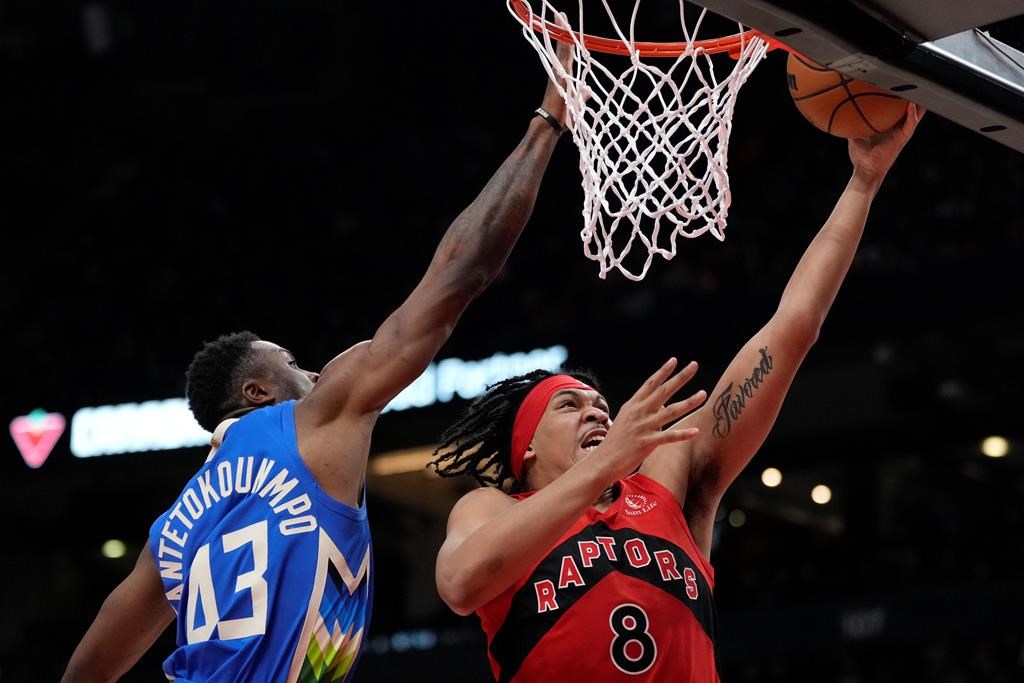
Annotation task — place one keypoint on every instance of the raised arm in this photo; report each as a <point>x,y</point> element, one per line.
<point>334,421</point>
<point>129,622</point>
<point>745,403</point>
<point>469,257</point>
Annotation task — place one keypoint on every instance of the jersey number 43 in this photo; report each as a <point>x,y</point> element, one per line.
<point>201,591</point>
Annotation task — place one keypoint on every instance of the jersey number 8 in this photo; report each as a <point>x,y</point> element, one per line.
<point>633,650</point>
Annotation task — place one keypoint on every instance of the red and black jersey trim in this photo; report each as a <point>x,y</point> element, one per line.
<point>523,627</point>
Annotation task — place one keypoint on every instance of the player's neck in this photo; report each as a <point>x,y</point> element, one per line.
<point>607,497</point>
<point>239,412</point>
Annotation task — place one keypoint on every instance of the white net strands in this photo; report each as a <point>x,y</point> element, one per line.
<point>652,131</point>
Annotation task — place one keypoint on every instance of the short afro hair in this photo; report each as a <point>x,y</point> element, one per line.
<point>479,444</point>
<point>213,375</point>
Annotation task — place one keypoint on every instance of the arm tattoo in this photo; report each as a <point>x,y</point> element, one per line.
<point>485,232</point>
<point>729,405</point>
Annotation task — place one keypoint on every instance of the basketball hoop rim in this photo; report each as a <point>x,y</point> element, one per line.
<point>732,45</point>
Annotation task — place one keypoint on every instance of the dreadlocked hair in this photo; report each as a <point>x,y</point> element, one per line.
<point>212,376</point>
<point>479,443</point>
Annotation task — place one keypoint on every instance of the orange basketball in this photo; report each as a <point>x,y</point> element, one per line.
<point>838,104</point>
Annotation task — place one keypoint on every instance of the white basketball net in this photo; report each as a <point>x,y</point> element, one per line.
<point>653,135</point>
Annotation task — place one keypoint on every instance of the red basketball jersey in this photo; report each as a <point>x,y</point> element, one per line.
<point>625,595</point>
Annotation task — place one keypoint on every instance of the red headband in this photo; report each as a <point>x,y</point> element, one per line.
<point>531,410</point>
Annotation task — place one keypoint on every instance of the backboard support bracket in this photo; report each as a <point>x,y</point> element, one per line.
<point>968,77</point>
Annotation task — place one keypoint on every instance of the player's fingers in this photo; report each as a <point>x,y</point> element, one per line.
<point>675,436</point>
<point>673,384</point>
<point>910,120</point>
<point>654,381</point>
<point>564,48</point>
<point>674,411</point>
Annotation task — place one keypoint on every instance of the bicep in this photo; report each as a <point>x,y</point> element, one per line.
<point>407,342</point>
<point>736,418</point>
<point>367,376</point>
<point>745,403</point>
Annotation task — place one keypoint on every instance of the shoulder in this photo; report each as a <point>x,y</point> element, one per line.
<point>639,482</point>
<point>355,351</point>
<point>483,499</point>
<point>479,505</point>
<point>474,510</point>
<point>670,469</point>
<point>330,394</point>
<point>348,361</point>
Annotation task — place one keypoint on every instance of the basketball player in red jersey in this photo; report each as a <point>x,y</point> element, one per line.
<point>596,568</point>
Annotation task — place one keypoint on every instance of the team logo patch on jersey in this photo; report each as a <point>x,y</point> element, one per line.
<point>336,620</point>
<point>637,504</point>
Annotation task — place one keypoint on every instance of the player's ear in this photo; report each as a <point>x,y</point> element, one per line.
<point>529,458</point>
<point>257,392</point>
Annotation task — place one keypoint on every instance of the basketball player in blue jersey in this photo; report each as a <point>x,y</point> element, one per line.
<point>264,559</point>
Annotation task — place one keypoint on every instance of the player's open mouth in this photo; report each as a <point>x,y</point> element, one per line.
<point>592,440</point>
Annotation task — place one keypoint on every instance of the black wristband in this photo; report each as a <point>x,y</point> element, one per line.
<point>552,121</point>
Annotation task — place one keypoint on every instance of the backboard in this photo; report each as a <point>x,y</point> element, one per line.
<point>941,54</point>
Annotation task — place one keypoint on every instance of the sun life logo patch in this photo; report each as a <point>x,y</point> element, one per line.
<point>637,504</point>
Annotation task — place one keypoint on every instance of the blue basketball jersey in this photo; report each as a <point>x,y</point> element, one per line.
<point>269,576</point>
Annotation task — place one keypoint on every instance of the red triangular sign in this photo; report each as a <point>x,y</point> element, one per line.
<point>35,435</point>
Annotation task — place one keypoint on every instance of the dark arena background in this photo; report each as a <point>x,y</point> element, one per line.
<point>174,171</point>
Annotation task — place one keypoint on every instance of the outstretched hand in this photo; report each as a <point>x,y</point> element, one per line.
<point>874,156</point>
<point>553,102</point>
<point>639,426</point>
